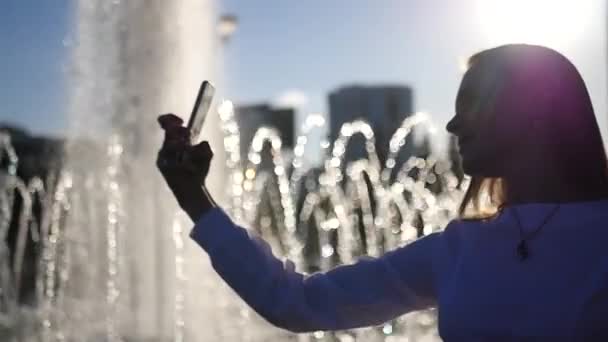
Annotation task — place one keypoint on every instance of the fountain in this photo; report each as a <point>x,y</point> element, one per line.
<point>115,263</point>
<point>87,290</point>
<point>347,211</point>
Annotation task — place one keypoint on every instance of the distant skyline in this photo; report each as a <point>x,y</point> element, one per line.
<point>297,52</point>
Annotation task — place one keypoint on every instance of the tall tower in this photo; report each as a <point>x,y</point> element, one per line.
<point>252,117</point>
<point>383,107</point>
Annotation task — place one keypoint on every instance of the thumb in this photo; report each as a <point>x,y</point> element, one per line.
<point>202,150</point>
<point>200,156</point>
<point>170,120</point>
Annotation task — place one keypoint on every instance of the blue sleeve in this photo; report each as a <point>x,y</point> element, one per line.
<point>369,292</point>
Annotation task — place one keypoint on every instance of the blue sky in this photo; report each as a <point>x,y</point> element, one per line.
<point>307,48</point>
<point>32,61</point>
<point>316,46</point>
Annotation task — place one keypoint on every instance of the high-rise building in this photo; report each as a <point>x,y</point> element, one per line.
<point>383,107</point>
<point>252,117</point>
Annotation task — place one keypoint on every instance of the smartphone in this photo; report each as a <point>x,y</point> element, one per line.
<point>199,112</point>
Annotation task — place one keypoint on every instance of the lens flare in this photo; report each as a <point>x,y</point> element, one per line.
<point>553,23</point>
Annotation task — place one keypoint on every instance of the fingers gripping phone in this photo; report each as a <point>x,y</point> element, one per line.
<point>199,112</point>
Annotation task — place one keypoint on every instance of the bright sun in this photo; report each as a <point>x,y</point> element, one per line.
<point>554,23</point>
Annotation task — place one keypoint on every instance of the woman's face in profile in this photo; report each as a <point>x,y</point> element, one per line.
<point>473,125</point>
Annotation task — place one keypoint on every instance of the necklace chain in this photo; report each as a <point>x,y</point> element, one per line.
<point>522,249</point>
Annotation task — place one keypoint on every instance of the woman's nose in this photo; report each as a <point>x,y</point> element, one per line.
<point>452,125</point>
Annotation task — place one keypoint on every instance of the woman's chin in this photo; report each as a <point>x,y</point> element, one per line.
<point>472,167</point>
<point>479,169</point>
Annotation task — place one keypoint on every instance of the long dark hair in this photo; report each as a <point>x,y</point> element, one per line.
<point>536,84</point>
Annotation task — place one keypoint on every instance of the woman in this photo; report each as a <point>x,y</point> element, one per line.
<point>527,258</point>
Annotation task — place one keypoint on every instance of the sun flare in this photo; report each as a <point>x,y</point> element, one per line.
<point>554,23</point>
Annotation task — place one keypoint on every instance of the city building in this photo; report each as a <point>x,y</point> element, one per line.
<point>383,107</point>
<point>251,118</point>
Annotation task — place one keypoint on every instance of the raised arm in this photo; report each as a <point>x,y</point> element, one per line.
<point>370,292</point>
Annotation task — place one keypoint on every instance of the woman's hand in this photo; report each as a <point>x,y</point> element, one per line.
<point>184,167</point>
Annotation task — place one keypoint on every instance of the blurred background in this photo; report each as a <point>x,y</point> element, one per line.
<point>294,55</point>
<point>93,247</point>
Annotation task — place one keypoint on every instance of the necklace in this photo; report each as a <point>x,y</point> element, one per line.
<point>523,252</point>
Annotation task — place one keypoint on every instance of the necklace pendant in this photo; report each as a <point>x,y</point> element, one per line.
<point>522,250</point>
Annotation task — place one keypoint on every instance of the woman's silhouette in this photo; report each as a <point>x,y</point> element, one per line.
<point>527,257</point>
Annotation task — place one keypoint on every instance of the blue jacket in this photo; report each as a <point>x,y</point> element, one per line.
<point>470,272</point>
